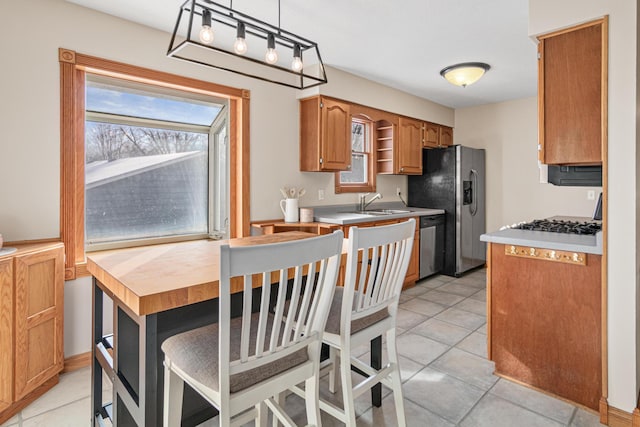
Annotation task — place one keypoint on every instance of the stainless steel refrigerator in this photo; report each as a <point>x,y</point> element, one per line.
<point>453,179</point>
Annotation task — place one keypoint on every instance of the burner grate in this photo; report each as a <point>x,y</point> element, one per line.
<point>557,226</point>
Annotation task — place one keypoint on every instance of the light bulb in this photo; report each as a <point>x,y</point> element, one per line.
<point>296,64</point>
<point>272,56</point>
<point>206,34</point>
<point>240,45</point>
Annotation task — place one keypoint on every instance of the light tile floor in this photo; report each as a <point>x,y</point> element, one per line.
<point>447,379</point>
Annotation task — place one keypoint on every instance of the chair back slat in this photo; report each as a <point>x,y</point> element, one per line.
<point>280,327</point>
<point>264,313</point>
<point>246,316</point>
<point>292,309</point>
<point>306,301</point>
<point>279,310</point>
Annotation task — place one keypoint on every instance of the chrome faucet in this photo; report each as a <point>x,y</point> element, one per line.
<point>363,203</point>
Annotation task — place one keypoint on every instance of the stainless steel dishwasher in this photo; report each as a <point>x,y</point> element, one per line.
<point>431,244</point>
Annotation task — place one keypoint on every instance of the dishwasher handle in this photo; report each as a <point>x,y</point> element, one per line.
<point>431,220</point>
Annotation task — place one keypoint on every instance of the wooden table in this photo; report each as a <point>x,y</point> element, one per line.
<point>157,291</point>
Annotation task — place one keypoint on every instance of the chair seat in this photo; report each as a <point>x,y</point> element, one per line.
<point>333,322</point>
<point>195,352</point>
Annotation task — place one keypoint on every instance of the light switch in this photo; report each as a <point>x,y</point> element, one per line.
<point>591,195</point>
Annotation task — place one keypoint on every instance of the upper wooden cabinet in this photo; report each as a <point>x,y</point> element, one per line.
<point>572,94</point>
<point>446,136</point>
<point>409,150</point>
<point>325,135</point>
<point>436,136</point>
<point>31,324</point>
<point>431,136</point>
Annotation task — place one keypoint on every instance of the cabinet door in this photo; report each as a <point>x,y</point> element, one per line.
<point>409,147</point>
<point>413,271</point>
<point>6,333</point>
<point>431,137</point>
<point>446,136</point>
<point>335,135</point>
<point>571,81</point>
<point>39,293</point>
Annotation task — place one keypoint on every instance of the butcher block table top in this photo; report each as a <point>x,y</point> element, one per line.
<point>150,279</point>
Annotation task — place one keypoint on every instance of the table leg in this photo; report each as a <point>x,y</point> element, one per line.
<point>96,336</point>
<point>376,363</point>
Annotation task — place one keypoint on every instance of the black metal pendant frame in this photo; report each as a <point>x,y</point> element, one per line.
<point>189,48</point>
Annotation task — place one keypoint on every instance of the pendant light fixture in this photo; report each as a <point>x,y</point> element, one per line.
<point>244,45</point>
<point>464,74</point>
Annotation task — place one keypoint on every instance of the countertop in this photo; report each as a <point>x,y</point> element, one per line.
<point>543,239</point>
<point>150,279</point>
<point>347,214</point>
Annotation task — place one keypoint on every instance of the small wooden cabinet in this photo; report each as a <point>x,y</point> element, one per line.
<point>436,136</point>
<point>446,136</point>
<point>572,94</point>
<point>325,135</point>
<point>409,147</point>
<point>31,324</point>
<point>431,135</point>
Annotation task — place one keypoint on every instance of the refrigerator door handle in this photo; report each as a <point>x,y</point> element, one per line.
<point>474,206</point>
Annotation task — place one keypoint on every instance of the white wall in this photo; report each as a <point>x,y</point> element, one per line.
<point>509,134</point>
<point>30,119</point>
<point>548,15</point>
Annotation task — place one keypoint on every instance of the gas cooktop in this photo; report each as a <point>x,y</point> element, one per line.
<point>559,226</point>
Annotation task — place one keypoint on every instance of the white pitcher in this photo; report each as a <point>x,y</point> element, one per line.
<point>289,209</point>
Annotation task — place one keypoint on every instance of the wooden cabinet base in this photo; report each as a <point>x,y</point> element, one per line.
<point>545,324</point>
<point>18,406</point>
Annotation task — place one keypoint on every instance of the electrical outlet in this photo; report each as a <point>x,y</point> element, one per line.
<point>398,191</point>
<point>591,195</point>
<point>320,194</point>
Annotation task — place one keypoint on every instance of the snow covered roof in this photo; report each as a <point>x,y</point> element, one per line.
<point>102,172</point>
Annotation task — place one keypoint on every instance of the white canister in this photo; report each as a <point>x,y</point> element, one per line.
<point>289,208</point>
<point>306,214</point>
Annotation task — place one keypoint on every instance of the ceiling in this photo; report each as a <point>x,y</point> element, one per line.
<point>402,44</point>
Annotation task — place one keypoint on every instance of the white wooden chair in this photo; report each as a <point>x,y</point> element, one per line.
<point>239,364</point>
<point>377,261</point>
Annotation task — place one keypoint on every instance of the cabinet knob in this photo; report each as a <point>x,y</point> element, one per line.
<point>401,169</point>
<point>348,166</point>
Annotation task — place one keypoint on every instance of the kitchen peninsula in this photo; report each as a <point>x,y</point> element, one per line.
<point>157,291</point>
<point>544,306</point>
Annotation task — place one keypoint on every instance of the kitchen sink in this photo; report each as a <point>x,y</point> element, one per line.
<point>377,212</point>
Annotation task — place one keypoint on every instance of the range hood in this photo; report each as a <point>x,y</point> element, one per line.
<point>575,176</point>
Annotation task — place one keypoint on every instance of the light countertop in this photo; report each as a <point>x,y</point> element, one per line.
<point>544,239</point>
<point>348,214</point>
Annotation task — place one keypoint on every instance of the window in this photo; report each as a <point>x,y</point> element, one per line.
<point>214,134</point>
<point>156,164</point>
<point>361,176</point>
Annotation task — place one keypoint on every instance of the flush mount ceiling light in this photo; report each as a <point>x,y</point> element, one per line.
<point>213,35</point>
<point>464,74</point>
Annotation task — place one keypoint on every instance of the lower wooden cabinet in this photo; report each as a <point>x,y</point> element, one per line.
<point>545,320</point>
<point>31,324</point>
<point>413,271</point>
